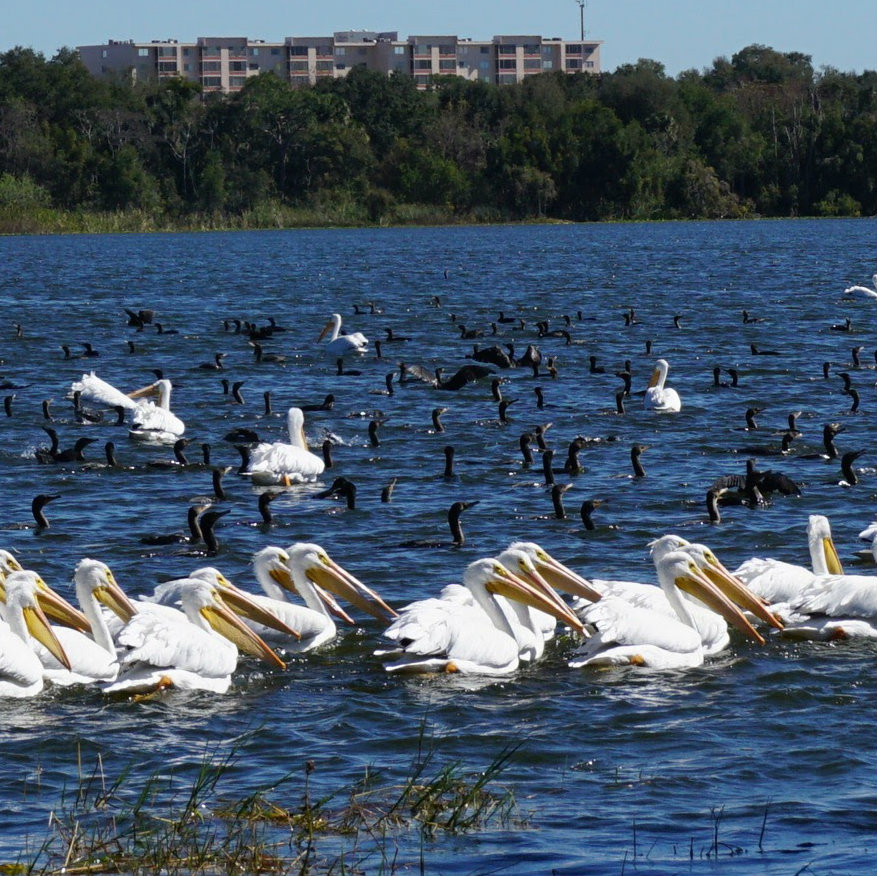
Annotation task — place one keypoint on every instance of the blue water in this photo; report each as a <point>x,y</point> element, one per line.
<point>769,749</point>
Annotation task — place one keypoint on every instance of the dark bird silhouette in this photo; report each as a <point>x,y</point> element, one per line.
<point>7,404</point>
<point>449,462</point>
<point>586,512</point>
<point>572,466</point>
<point>847,469</point>
<point>191,536</point>
<point>341,487</point>
<point>466,374</point>
<point>325,405</point>
<point>161,330</point>
<point>241,435</point>
<point>215,365</point>
<point>74,453</point>
<point>387,491</point>
<point>540,400</point>
<point>179,456</point>
<point>436,418</point>
<point>265,500</point>
<point>757,352</point>
<point>494,355</point>
<point>524,442</point>
<point>845,326</point>
<point>769,481</point>
<point>635,453</point>
<point>504,405</point>
<point>454,513</point>
<point>373,434</point>
<point>751,414</point>
<point>557,492</point>
<point>261,356</point>
<point>346,372</point>
<point>207,521</point>
<point>36,508</point>
<point>748,320</point>
<point>594,368</point>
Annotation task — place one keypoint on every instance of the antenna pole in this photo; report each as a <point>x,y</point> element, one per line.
<point>582,18</point>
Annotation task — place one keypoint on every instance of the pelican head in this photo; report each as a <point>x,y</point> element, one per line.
<point>659,375</point>
<point>94,577</point>
<point>22,605</point>
<point>823,553</point>
<point>677,571</point>
<point>555,573</point>
<point>324,573</point>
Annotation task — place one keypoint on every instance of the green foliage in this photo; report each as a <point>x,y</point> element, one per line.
<point>759,134</point>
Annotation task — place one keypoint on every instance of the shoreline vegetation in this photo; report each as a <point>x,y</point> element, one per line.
<point>762,135</point>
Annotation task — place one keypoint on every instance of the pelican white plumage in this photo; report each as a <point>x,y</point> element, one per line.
<point>156,422</point>
<point>149,421</point>
<point>199,653</point>
<point>21,671</point>
<point>659,397</point>
<point>780,582</point>
<point>863,291</point>
<point>340,345</point>
<point>282,463</point>
<point>628,635</point>
<point>834,607</point>
<point>536,566</point>
<point>92,658</point>
<point>306,569</point>
<point>22,675</point>
<point>467,633</point>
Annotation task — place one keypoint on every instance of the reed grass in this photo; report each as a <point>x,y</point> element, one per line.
<point>189,827</point>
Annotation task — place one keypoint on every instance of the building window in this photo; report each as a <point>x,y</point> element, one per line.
<point>298,66</point>
<point>187,68</point>
<point>573,64</point>
<point>484,65</point>
<point>531,50</point>
<point>237,66</point>
<point>507,50</point>
<point>533,64</point>
<point>104,53</point>
<point>547,65</point>
<point>143,53</point>
<point>340,51</point>
<point>423,65</point>
<point>187,52</point>
<point>447,65</point>
<point>254,52</point>
<point>573,49</point>
<point>212,81</point>
<point>211,67</point>
<point>485,50</point>
<point>167,66</point>
<point>399,50</point>
<point>275,51</point>
<point>509,64</point>
<point>237,81</point>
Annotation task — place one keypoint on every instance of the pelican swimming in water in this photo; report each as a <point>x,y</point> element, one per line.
<point>780,582</point>
<point>863,291</point>
<point>307,570</point>
<point>282,463</point>
<point>149,421</point>
<point>465,629</point>
<point>199,652</point>
<point>21,670</point>
<point>834,607</point>
<point>625,634</point>
<point>91,659</point>
<point>658,397</point>
<point>340,345</point>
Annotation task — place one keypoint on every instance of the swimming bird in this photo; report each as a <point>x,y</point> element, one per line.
<point>758,352</point>
<point>863,291</point>
<point>658,397</point>
<point>454,513</point>
<point>192,536</point>
<point>91,658</point>
<point>845,326</point>
<point>307,570</point>
<point>197,652</point>
<point>625,634</point>
<point>635,453</point>
<point>325,405</point>
<point>465,629</point>
<point>215,365</point>
<point>285,463</point>
<point>37,505</point>
<point>833,607</point>
<point>341,345</point>
<point>21,671</point>
<point>777,581</point>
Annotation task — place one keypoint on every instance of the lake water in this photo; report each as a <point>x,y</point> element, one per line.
<point>770,750</point>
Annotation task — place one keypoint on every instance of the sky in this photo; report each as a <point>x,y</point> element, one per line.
<point>680,34</point>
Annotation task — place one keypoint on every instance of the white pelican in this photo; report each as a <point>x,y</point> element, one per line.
<point>658,397</point>
<point>454,634</point>
<point>342,345</point>
<point>863,291</point>
<point>21,671</point>
<point>536,566</point>
<point>155,422</point>
<point>628,635</point>
<point>90,660</point>
<point>780,582</point>
<point>306,569</point>
<point>835,607</point>
<point>199,653</point>
<point>285,464</point>
<point>149,421</point>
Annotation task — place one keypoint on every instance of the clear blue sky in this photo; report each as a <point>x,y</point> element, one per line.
<point>681,34</point>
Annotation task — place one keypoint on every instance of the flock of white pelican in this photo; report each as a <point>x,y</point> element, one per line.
<point>189,633</point>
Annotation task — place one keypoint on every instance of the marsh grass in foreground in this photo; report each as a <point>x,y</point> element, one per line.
<point>191,827</point>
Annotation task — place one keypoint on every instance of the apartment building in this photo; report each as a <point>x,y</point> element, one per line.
<point>223,64</point>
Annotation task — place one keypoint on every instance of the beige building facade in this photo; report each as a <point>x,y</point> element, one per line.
<point>223,64</point>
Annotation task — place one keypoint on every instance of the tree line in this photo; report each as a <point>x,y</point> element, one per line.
<point>761,134</point>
